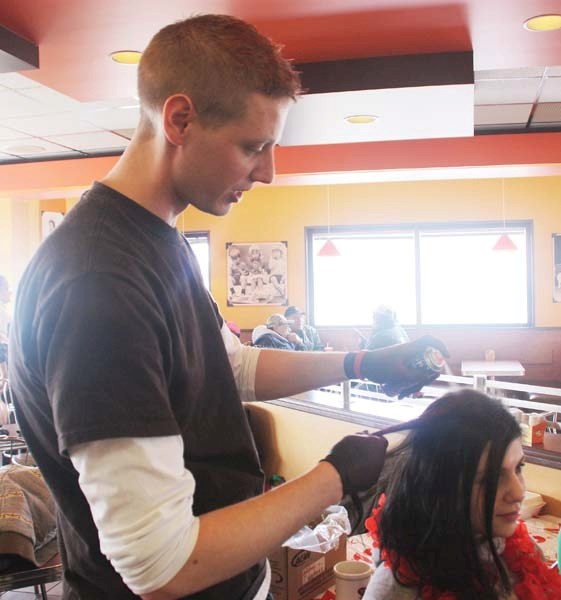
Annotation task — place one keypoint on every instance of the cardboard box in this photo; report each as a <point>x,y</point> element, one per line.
<point>301,574</point>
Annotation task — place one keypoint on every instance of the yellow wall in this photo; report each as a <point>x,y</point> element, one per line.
<point>270,214</point>
<point>19,235</point>
<point>281,213</point>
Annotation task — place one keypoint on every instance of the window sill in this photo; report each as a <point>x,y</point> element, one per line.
<point>329,405</point>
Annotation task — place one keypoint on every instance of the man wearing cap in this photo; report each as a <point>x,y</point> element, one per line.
<point>308,334</point>
<point>277,334</point>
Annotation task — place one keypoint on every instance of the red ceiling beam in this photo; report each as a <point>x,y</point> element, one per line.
<point>483,150</point>
<point>534,149</point>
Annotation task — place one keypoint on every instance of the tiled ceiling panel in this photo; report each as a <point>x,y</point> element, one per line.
<point>510,73</point>
<point>547,112</point>
<point>125,132</point>
<point>102,140</point>
<point>45,125</point>
<point>553,71</point>
<point>523,100</point>
<point>502,114</point>
<point>123,117</point>
<point>15,81</point>
<point>32,147</point>
<point>9,134</point>
<point>15,104</point>
<point>507,91</point>
<point>551,90</point>
<point>50,98</point>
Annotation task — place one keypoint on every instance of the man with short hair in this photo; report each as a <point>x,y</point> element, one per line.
<point>308,334</point>
<point>127,380</point>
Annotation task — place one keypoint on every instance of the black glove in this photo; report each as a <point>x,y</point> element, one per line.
<point>359,460</point>
<point>392,365</point>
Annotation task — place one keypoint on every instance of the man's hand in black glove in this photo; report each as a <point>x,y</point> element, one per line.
<point>392,365</point>
<point>359,460</point>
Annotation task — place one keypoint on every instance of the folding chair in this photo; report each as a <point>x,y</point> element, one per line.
<point>31,577</point>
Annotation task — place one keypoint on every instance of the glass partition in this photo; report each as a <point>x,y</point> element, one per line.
<point>364,403</point>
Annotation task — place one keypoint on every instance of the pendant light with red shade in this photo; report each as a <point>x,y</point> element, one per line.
<point>504,242</point>
<point>329,249</point>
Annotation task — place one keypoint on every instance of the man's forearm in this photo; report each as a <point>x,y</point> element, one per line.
<point>280,373</point>
<point>234,538</point>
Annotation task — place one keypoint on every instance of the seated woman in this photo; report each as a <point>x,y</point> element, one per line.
<point>448,526</point>
<point>386,331</point>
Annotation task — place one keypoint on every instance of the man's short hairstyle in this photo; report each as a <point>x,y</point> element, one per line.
<point>217,60</point>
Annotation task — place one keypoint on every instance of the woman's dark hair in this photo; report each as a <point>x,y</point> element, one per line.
<point>426,520</point>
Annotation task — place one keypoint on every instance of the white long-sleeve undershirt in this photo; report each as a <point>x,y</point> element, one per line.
<point>141,495</point>
<point>243,360</point>
<point>141,499</point>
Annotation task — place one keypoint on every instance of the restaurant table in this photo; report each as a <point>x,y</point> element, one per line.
<point>544,530</point>
<point>481,369</point>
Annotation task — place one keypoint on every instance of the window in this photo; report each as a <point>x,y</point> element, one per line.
<point>200,244</point>
<point>430,274</point>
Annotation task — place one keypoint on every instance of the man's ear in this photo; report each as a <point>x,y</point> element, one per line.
<point>177,113</point>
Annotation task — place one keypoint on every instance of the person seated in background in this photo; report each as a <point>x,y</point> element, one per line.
<point>308,334</point>
<point>386,331</point>
<point>448,525</point>
<point>276,334</point>
<point>234,328</point>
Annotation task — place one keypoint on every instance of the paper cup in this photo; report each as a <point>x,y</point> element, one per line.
<point>351,579</point>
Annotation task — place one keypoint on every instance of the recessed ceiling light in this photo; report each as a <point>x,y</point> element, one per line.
<point>543,23</point>
<point>24,149</point>
<point>126,57</point>
<point>361,119</point>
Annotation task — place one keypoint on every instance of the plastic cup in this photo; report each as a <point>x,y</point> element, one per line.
<point>351,579</point>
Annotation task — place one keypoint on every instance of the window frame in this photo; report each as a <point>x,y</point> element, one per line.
<point>193,235</point>
<point>416,229</point>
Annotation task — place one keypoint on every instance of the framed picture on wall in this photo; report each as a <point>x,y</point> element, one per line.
<point>49,222</point>
<point>257,273</point>
<point>556,267</point>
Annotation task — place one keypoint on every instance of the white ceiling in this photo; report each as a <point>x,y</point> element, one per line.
<point>39,123</point>
<point>33,116</point>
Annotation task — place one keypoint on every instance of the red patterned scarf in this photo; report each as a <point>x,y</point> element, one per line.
<point>532,579</point>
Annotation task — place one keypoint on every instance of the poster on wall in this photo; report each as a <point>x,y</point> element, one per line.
<point>50,221</point>
<point>256,273</point>
<point>556,267</point>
